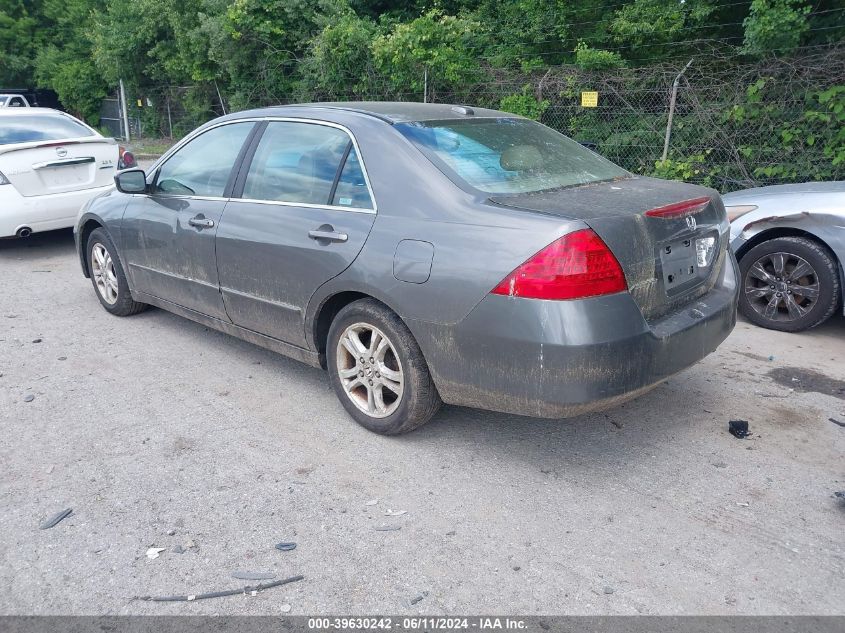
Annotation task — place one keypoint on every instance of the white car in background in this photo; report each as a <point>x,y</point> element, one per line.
<point>13,101</point>
<point>50,165</point>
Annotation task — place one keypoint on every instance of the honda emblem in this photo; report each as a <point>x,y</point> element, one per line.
<point>691,223</point>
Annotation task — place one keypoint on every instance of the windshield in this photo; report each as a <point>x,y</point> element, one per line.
<point>3,100</point>
<point>25,128</point>
<point>508,155</point>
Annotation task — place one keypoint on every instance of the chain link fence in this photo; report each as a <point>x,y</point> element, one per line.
<point>729,129</point>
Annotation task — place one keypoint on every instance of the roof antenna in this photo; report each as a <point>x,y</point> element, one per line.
<point>465,110</point>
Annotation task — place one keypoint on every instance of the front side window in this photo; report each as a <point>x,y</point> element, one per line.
<point>296,163</point>
<point>508,155</point>
<point>28,128</point>
<point>203,166</point>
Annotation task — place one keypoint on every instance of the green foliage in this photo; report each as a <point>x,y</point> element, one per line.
<point>589,58</point>
<point>775,26</point>
<point>339,63</point>
<point>656,25</point>
<point>434,43</point>
<point>525,104</point>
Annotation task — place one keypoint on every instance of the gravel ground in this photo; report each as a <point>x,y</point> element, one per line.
<point>159,432</point>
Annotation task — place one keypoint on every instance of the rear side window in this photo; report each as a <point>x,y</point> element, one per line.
<point>300,163</point>
<point>203,166</point>
<point>352,190</point>
<point>28,128</point>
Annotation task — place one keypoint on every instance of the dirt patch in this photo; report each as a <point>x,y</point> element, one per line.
<point>807,380</point>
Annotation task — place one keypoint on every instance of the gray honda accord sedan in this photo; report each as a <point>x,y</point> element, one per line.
<point>422,253</point>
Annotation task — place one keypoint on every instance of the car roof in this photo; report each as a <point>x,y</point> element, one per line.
<point>30,111</point>
<point>390,111</point>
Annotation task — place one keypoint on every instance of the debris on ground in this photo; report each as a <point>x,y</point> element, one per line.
<point>738,428</point>
<point>839,494</point>
<point>189,544</point>
<point>285,608</point>
<point>371,502</point>
<point>253,575</point>
<point>178,549</point>
<point>387,528</point>
<point>62,358</point>
<point>154,552</point>
<point>36,340</point>
<point>417,599</point>
<point>285,547</point>
<point>609,590</point>
<point>28,397</point>
<point>743,504</point>
<point>54,520</point>
<point>248,590</point>
<point>395,513</point>
<point>837,422</point>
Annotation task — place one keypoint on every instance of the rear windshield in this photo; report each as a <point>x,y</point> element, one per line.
<point>26,128</point>
<point>508,155</point>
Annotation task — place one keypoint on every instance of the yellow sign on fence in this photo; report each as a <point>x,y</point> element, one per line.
<point>589,99</point>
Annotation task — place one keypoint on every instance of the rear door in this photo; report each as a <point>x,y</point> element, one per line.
<point>168,235</point>
<point>301,213</point>
<point>51,153</point>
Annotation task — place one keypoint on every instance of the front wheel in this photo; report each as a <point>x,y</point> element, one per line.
<point>378,371</point>
<point>108,277</point>
<point>788,284</point>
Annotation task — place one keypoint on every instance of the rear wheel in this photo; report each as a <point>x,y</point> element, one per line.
<point>108,277</point>
<point>788,284</point>
<point>378,371</point>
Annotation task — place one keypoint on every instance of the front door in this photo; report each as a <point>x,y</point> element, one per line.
<point>300,214</point>
<point>168,235</point>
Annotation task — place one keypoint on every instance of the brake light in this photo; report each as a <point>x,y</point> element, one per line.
<point>574,266</point>
<point>680,209</point>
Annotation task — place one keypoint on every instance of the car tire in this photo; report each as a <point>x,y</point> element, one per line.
<point>386,385</point>
<point>766,296</point>
<point>107,276</point>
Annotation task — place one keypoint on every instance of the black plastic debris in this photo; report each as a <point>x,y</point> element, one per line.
<point>738,428</point>
<point>837,422</point>
<point>28,397</point>
<point>839,494</point>
<point>417,599</point>
<point>285,547</point>
<point>54,520</point>
<point>219,594</point>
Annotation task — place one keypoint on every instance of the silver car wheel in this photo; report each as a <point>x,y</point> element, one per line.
<point>782,286</point>
<point>369,370</point>
<point>105,277</point>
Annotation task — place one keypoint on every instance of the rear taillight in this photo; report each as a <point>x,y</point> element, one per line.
<point>127,159</point>
<point>680,209</point>
<point>575,266</point>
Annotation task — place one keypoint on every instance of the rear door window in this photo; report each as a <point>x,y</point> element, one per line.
<point>297,163</point>
<point>352,190</point>
<point>202,167</point>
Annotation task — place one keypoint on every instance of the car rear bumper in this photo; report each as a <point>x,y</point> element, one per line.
<point>563,358</point>
<point>41,213</point>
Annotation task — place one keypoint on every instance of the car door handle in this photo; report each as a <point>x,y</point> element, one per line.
<point>331,236</point>
<point>201,222</point>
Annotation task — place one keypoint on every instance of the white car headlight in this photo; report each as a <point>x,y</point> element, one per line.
<point>735,211</point>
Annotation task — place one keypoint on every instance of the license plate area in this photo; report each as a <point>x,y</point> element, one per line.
<point>679,265</point>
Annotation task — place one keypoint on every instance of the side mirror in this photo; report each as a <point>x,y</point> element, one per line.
<point>131,181</point>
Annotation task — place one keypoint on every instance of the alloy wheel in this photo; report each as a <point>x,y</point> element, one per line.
<point>369,370</point>
<point>781,286</point>
<point>105,277</point>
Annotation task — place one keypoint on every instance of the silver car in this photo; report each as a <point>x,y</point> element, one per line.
<point>790,243</point>
<point>422,254</point>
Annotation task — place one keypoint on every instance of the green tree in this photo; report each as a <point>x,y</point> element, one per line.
<point>21,34</point>
<point>440,45</point>
<point>775,26</point>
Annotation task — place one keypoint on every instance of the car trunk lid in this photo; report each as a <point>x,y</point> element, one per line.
<point>51,167</point>
<point>657,254</point>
